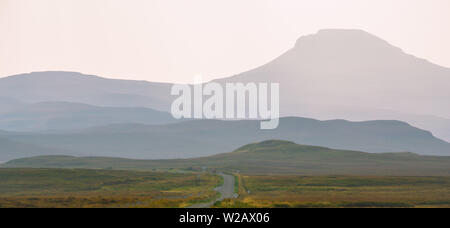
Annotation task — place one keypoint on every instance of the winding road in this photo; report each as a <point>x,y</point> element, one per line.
<point>226,191</point>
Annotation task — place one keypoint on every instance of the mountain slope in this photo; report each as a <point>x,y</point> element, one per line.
<point>269,157</point>
<point>354,68</point>
<point>208,137</point>
<point>88,89</point>
<point>66,116</point>
<point>353,75</point>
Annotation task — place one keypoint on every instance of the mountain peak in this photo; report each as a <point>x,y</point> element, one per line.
<point>348,40</point>
<point>334,31</point>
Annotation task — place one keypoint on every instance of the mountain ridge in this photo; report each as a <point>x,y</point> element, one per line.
<point>197,138</point>
<point>45,116</point>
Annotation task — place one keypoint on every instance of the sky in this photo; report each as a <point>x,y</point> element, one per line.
<point>176,40</point>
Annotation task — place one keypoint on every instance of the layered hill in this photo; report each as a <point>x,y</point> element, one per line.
<point>10,150</point>
<point>354,75</point>
<point>209,137</point>
<point>268,157</point>
<point>66,116</point>
<point>334,74</point>
<point>75,87</point>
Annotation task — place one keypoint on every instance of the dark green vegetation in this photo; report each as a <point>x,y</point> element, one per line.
<point>103,188</point>
<point>269,157</point>
<point>193,139</point>
<point>341,191</point>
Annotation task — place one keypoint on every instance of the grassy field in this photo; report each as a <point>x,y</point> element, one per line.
<point>340,191</point>
<point>103,188</point>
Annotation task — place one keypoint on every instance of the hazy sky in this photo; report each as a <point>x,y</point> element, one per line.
<point>173,40</point>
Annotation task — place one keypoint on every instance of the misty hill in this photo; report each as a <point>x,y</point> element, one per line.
<point>353,75</point>
<point>74,87</point>
<point>334,74</point>
<point>269,157</point>
<point>209,137</point>
<point>11,150</point>
<point>64,116</point>
<point>354,68</point>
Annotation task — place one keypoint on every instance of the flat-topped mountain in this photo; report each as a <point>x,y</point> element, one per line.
<point>353,75</point>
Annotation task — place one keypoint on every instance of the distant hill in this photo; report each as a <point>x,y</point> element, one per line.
<point>10,150</point>
<point>65,116</point>
<point>209,137</point>
<point>75,87</point>
<point>268,157</point>
<point>333,74</point>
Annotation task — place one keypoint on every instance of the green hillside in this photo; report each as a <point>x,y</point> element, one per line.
<point>268,157</point>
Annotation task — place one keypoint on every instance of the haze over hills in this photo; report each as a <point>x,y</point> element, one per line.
<point>334,74</point>
<point>199,138</point>
<point>11,150</point>
<point>269,157</point>
<point>87,89</point>
<point>65,116</point>
<point>352,68</point>
<point>351,74</point>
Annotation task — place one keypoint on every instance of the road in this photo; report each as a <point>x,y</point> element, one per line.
<point>226,191</point>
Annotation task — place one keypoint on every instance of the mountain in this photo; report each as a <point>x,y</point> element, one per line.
<point>334,74</point>
<point>352,68</point>
<point>74,87</point>
<point>268,157</point>
<point>209,137</point>
<point>353,75</point>
<point>10,150</point>
<point>65,116</point>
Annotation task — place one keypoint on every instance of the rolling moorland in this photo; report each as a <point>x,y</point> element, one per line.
<point>103,188</point>
<point>340,192</point>
<point>267,174</point>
